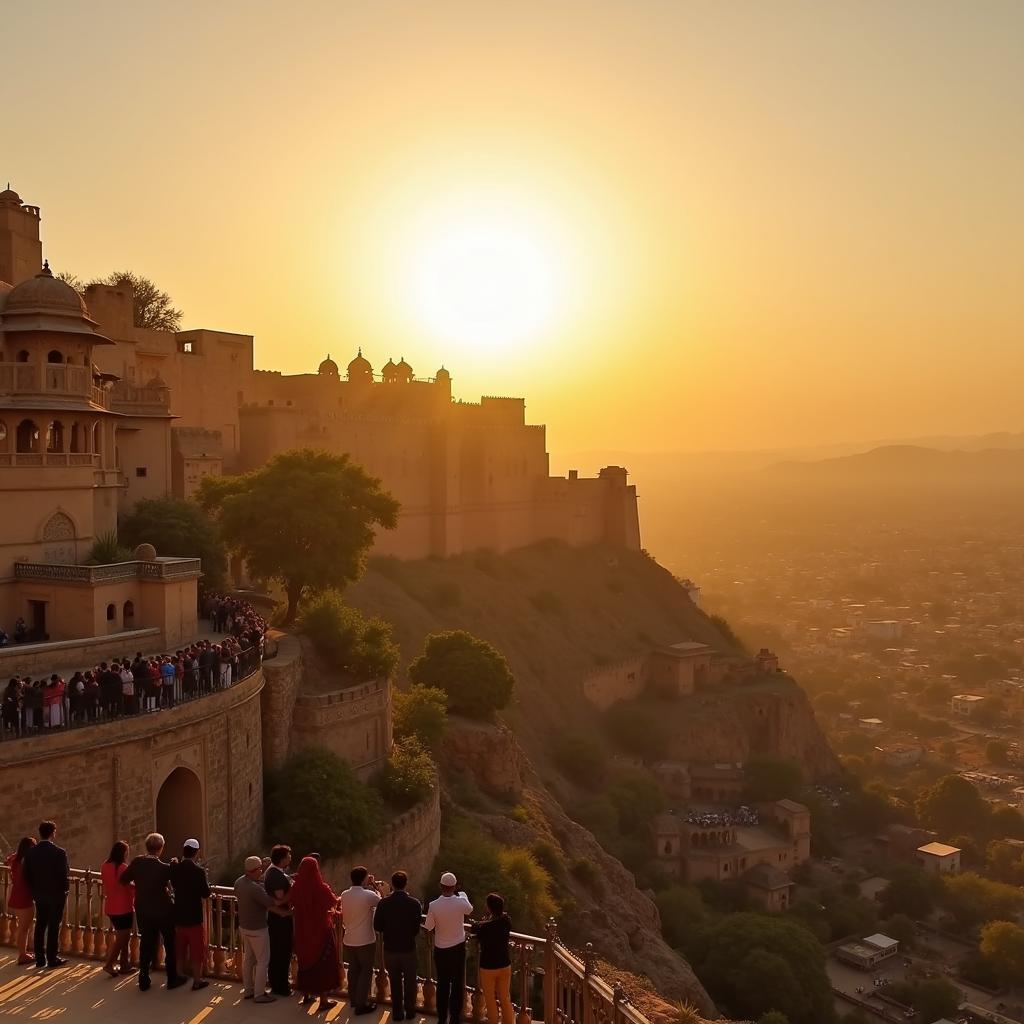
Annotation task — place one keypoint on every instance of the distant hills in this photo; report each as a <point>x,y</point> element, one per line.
<point>910,464</point>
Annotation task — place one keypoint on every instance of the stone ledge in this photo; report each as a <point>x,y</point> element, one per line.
<point>19,659</point>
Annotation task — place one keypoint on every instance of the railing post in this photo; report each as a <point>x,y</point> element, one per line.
<point>550,973</point>
<point>618,996</point>
<point>588,970</point>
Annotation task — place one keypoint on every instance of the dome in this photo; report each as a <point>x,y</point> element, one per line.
<point>389,371</point>
<point>404,369</point>
<point>4,289</point>
<point>45,293</point>
<point>360,368</point>
<point>442,374</point>
<point>9,197</point>
<point>328,368</point>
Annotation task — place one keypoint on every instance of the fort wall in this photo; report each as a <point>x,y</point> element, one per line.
<point>33,659</point>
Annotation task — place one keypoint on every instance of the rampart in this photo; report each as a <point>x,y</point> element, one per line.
<point>33,659</point>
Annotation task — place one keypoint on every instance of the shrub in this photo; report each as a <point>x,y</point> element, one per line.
<point>582,759</point>
<point>519,813</point>
<point>587,874</point>
<point>106,550</point>
<point>408,776</point>
<point>549,857</point>
<point>316,802</point>
<point>681,909</point>
<point>475,676</point>
<point>362,648</point>
<point>638,799</point>
<point>421,711</point>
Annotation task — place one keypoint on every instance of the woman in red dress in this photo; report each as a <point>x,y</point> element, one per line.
<point>119,906</point>
<point>315,906</point>
<point>20,899</point>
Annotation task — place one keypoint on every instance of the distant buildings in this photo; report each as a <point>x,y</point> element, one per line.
<point>869,952</point>
<point>939,859</point>
<point>966,704</point>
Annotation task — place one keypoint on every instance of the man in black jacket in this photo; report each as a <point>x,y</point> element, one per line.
<point>46,872</point>
<point>277,882</point>
<point>191,887</point>
<point>397,918</point>
<point>154,910</point>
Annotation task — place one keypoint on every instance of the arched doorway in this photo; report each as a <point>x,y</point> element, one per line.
<point>179,810</point>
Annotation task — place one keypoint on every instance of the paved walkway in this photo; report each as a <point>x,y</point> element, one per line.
<point>81,993</point>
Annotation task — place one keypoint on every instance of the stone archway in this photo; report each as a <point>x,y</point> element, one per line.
<point>179,810</point>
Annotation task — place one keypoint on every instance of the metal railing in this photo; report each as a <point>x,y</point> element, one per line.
<point>549,981</point>
<point>81,711</point>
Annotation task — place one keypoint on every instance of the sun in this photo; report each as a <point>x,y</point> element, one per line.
<point>487,273</point>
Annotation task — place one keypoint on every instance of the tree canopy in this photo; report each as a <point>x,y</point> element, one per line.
<point>1002,943</point>
<point>952,805</point>
<point>362,648</point>
<point>408,776</point>
<point>305,519</point>
<point>973,900</point>
<point>421,711</point>
<point>179,528</point>
<point>753,964</point>
<point>910,891</point>
<point>151,306</point>
<point>316,802</point>
<point>475,676</point>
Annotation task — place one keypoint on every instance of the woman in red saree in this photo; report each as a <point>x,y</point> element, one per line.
<point>314,907</point>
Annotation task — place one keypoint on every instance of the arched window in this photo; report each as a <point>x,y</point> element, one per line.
<point>22,356</point>
<point>128,614</point>
<point>111,613</point>
<point>76,438</point>
<point>54,437</point>
<point>28,437</point>
<point>54,356</point>
<point>97,438</point>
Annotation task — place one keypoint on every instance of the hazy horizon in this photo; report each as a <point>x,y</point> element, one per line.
<point>675,226</point>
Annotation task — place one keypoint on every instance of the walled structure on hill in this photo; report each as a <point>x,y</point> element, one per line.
<point>187,404</point>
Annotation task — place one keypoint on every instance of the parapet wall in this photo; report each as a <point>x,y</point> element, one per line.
<point>624,680</point>
<point>410,842</point>
<point>36,659</point>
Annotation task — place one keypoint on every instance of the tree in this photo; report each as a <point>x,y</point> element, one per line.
<point>771,778</point>
<point>997,752</point>
<point>901,928</point>
<point>582,759</point>
<point>681,909</point>
<point>475,676</point>
<point>316,802</point>
<point>1007,823</point>
<point>362,648</point>
<point>910,891</point>
<point>151,307</point>
<point>952,805</point>
<point>421,711</point>
<point>638,800</point>
<point>1002,943</point>
<point>973,900</point>
<point>753,964</point>
<point>178,528</point>
<point>935,998</point>
<point>1004,862</point>
<point>306,519</point>
<point>408,776</point>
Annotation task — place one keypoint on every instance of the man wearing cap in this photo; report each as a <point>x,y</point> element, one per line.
<point>358,904</point>
<point>191,887</point>
<point>446,918</point>
<point>253,903</point>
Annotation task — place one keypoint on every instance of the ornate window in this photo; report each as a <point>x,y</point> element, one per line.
<point>28,437</point>
<point>59,540</point>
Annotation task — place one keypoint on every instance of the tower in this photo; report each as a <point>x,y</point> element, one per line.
<point>21,252</point>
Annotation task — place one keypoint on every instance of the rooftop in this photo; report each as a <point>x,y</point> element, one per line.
<point>938,849</point>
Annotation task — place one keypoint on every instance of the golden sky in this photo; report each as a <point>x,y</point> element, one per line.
<point>722,224</point>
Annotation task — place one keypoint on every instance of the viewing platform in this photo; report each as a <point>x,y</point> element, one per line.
<point>550,983</point>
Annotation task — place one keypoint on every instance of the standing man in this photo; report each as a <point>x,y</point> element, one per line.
<point>358,904</point>
<point>48,878</point>
<point>397,918</point>
<point>277,883</point>
<point>191,887</point>
<point>446,918</point>
<point>253,903</point>
<point>154,910</point>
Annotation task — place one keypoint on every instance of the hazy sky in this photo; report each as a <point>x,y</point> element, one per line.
<point>722,224</point>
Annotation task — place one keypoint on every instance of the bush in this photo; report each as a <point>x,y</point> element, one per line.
<point>360,647</point>
<point>587,874</point>
<point>316,802</point>
<point>681,908</point>
<point>638,799</point>
<point>421,711</point>
<point>408,776</point>
<point>106,550</point>
<point>582,760</point>
<point>475,676</point>
<point>549,857</point>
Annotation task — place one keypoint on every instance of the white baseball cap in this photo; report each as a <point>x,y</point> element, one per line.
<point>449,879</point>
<point>191,844</point>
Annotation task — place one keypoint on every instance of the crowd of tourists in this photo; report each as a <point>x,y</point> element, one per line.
<point>281,914</point>
<point>140,684</point>
<point>743,815</point>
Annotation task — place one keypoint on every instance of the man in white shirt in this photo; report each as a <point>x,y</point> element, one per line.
<point>357,906</point>
<point>446,918</point>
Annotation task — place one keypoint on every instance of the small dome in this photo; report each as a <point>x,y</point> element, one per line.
<point>328,368</point>
<point>404,369</point>
<point>389,371</point>
<point>9,197</point>
<point>360,364</point>
<point>45,293</point>
<point>145,553</point>
<point>442,374</point>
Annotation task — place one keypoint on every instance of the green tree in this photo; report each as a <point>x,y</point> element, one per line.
<point>638,799</point>
<point>1002,943</point>
<point>178,528</point>
<point>1004,863</point>
<point>910,891</point>
<point>1007,823</point>
<point>952,805</point>
<point>306,519</point>
<point>421,711</point>
<point>475,676</point>
<point>753,963</point>
<point>935,998</point>
<point>362,648</point>
<point>997,752</point>
<point>151,307</point>
<point>582,759</point>
<point>901,928</point>
<point>408,776</point>
<point>316,802</point>
<point>973,900</point>
<point>772,778</point>
<point>681,909</point>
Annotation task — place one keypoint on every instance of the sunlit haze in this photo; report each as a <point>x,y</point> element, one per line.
<point>668,225</point>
